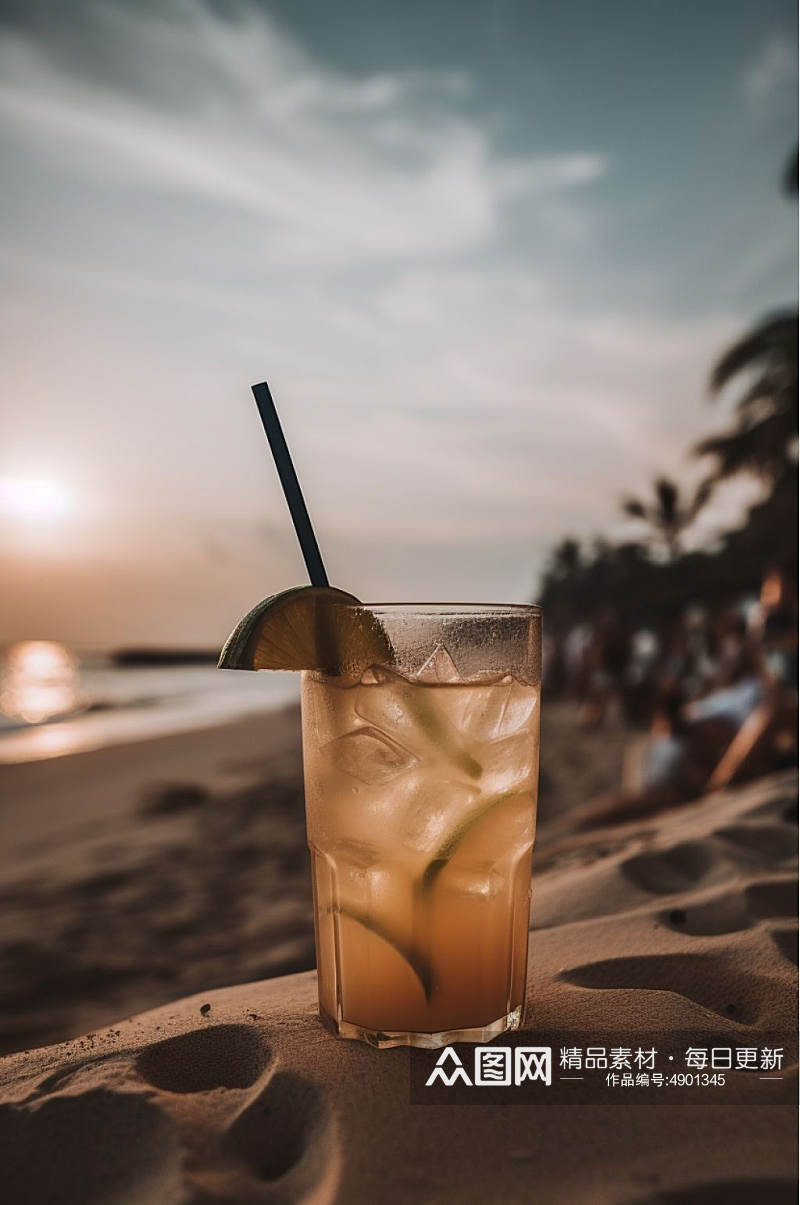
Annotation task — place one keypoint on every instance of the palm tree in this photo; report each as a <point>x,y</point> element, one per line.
<point>763,439</point>
<point>667,513</point>
<point>565,561</point>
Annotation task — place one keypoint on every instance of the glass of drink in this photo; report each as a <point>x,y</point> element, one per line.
<point>421,780</point>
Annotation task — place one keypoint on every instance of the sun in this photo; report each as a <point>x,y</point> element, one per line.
<point>36,499</point>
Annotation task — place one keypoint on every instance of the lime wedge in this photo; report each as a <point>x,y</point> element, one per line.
<point>308,628</point>
<point>452,841</point>
<point>416,960</point>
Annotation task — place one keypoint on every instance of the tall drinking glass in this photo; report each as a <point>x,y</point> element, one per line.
<point>421,784</point>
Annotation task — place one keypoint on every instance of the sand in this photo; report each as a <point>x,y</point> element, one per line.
<point>675,924</point>
<point>138,873</point>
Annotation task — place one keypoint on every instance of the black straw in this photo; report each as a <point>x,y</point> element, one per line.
<point>291,486</point>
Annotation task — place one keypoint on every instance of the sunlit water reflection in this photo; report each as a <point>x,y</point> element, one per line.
<point>39,680</point>
<point>52,703</point>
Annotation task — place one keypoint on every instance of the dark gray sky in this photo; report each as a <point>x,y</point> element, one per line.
<point>484,252</point>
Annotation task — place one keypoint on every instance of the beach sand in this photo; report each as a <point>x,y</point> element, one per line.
<point>651,930</point>
<point>141,872</point>
<point>138,873</point>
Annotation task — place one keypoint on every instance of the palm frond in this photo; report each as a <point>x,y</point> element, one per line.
<point>762,390</point>
<point>667,495</point>
<point>566,557</point>
<point>775,337</point>
<point>763,447</point>
<point>701,496</point>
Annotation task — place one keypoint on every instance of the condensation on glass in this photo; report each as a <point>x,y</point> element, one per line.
<point>421,779</point>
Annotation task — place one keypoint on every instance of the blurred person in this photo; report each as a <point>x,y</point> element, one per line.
<point>730,631</point>
<point>698,668</point>
<point>639,676</point>
<point>766,739</point>
<point>734,701</point>
<point>576,645</point>
<point>660,770</point>
<point>661,764</point>
<point>606,658</point>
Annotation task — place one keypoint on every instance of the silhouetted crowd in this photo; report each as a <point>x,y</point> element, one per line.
<point>714,695</point>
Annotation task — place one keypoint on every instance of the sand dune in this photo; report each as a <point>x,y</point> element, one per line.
<point>676,925</point>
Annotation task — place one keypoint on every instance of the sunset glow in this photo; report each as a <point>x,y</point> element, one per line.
<point>32,499</point>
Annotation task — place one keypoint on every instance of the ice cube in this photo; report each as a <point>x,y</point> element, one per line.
<point>424,721</point>
<point>439,667</point>
<point>476,880</point>
<point>370,756</point>
<point>391,708</point>
<point>503,829</point>
<point>366,878</point>
<point>508,763</point>
<point>490,713</point>
<point>433,811</point>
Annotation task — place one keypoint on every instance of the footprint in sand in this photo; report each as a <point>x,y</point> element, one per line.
<point>775,898</point>
<point>281,1140</point>
<point>725,913</point>
<point>732,911</point>
<point>222,1056</point>
<point>285,1134</point>
<point>786,941</point>
<point>130,1153</point>
<point>770,841</point>
<point>671,870</point>
<point>703,979</point>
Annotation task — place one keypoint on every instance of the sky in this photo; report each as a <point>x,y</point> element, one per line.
<point>485,254</point>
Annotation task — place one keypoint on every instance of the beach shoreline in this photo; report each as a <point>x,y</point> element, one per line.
<point>70,789</point>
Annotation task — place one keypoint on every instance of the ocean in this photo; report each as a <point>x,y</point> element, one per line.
<point>53,703</point>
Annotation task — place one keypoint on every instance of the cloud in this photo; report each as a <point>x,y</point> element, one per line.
<point>195,201</point>
<point>773,70</point>
<point>235,113</point>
